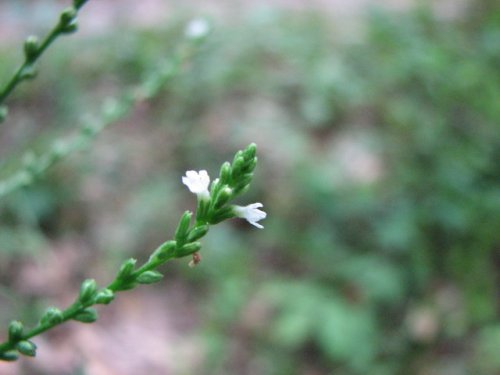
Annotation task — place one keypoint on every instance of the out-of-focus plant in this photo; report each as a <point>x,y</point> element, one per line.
<point>214,202</point>
<point>386,249</point>
<point>383,260</point>
<point>113,109</point>
<point>33,50</point>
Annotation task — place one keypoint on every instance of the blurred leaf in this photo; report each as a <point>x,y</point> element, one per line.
<point>342,328</point>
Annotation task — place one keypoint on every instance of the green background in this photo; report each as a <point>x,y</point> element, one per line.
<point>379,168</point>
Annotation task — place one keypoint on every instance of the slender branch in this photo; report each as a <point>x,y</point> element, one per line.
<point>213,207</point>
<point>34,50</point>
<point>112,111</point>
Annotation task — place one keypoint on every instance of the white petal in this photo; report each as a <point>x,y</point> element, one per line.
<point>251,213</point>
<point>197,182</point>
<point>256,225</point>
<point>197,28</point>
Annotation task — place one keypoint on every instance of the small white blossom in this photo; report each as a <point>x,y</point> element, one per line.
<point>250,213</point>
<point>197,28</point>
<point>197,183</point>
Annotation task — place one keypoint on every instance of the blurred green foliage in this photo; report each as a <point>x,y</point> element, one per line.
<point>379,168</point>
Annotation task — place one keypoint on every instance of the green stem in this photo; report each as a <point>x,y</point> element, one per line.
<point>17,78</point>
<point>124,104</point>
<point>76,308</point>
<point>68,314</point>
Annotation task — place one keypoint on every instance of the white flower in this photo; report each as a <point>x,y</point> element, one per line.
<point>197,28</point>
<point>197,183</point>
<point>250,213</point>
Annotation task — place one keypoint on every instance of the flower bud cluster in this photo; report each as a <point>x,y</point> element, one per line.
<point>19,343</point>
<point>234,179</point>
<point>31,47</point>
<point>67,20</point>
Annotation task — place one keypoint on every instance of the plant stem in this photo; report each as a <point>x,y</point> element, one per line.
<point>29,61</point>
<point>77,307</point>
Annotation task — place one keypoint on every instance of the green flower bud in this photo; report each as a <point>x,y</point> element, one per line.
<point>215,186</point>
<point>243,183</point>
<point>188,249</point>
<point>88,315</point>
<point>245,179</point>
<point>28,72</point>
<point>31,46</point>
<point>223,197</point>
<point>250,151</point>
<point>239,154</point>
<point>183,227</point>
<point>87,291</point>
<point>164,252</point>
<point>59,149</point>
<point>27,348</point>
<point>250,165</point>
<point>223,214</point>
<point>70,28</point>
<point>9,356</point>
<point>51,317</point>
<point>104,296</point>
<point>202,210</point>
<point>238,165</point>
<point>149,277</point>
<point>197,232</point>
<point>225,173</point>
<point>15,330</point>
<point>67,16</point>
<point>126,269</point>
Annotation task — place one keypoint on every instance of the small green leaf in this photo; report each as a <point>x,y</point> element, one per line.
<point>188,249</point>
<point>88,315</point>
<point>203,207</point>
<point>27,348</point>
<point>197,232</point>
<point>250,151</point>
<point>225,173</point>
<point>67,16</point>
<point>87,291</point>
<point>71,28</point>
<point>126,285</point>
<point>15,330</point>
<point>149,277</point>
<point>9,356</point>
<point>28,72</point>
<point>126,269</point>
<point>183,227</point>
<point>51,317</point>
<point>250,165</point>
<point>222,214</point>
<point>223,197</point>
<point>104,296</point>
<point>31,46</point>
<point>238,166</point>
<point>164,252</point>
